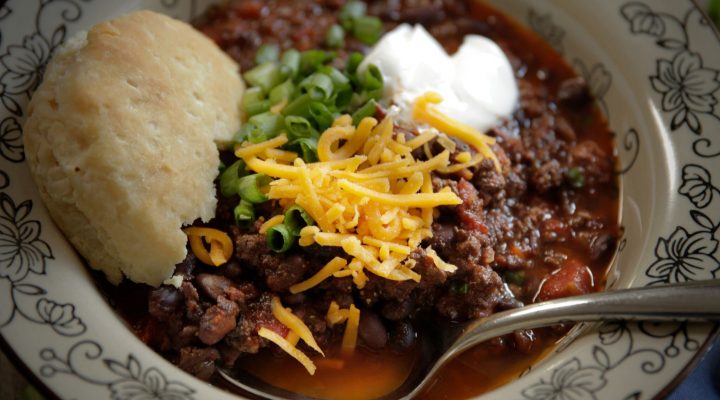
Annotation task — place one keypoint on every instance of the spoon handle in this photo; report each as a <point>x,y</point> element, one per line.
<point>694,301</point>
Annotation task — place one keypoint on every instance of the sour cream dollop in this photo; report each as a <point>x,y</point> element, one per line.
<point>477,83</point>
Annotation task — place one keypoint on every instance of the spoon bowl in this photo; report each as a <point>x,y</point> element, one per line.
<point>694,301</point>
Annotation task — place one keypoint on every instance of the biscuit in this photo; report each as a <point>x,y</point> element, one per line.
<point>122,140</point>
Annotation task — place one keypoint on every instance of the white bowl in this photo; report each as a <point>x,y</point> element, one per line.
<point>654,70</point>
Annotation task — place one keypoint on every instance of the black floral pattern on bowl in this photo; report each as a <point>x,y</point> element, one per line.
<point>687,89</point>
<point>125,380</point>
<point>697,185</point>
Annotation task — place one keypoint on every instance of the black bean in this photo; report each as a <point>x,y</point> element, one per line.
<point>163,302</point>
<point>213,285</point>
<point>372,331</point>
<point>403,335</point>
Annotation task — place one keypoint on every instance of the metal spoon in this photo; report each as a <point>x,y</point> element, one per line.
<point>695,301</point>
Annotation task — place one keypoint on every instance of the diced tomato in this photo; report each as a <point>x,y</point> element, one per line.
<point>554,229</point>
<point>274,325</point>
<point>572,279</point>
<point>147,331</point>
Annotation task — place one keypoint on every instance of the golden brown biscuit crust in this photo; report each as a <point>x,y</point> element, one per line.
<point>121,140</point>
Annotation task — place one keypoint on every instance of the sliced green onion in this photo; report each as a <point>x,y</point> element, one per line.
<point>353,63</point>
<point>335,37</point>
<point>337,77</point>
<point>258,107</point>
<point>515,277</point>
<point>318,86</point>
<point>321,115</point>
<point>297,218</point>
<point>254,101</point>
<point>290,63</point>
<point>367,29</point>
<point>252,95</point>
<point>350,12</point>
<point>266,76</point>
<point>300,106</point>
<point>267,53</point>
<point>310,60</point>
<point>371,79</point>
<point>299,127</point>
<point>270,123</point>
<point>250,188</point>
<point>283,91</point>
<point>256,135</point>
<point>244,213</point>
<point>359,99</point>
<point>367,110</point>
<point>241,135</point>
<point>279,239</point>
<point>307,147</point>
<point>342,97</point>
<point>229,178</point>
<point>575,177</point>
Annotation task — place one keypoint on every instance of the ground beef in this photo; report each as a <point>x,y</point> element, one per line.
<point>193,309</point>
<point>278,272</point>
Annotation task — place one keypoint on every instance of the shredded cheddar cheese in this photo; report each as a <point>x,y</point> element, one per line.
<point>424,111</point>
<point>367,194</point>
<point>294,323</point>
<point>221,246</point>
<point>298,331</point>
<point>288,348</point>
<point>335,314</point>
<point>351,316</point>
<point>329,269</point>
<point>276,220</point>
<point>258,148</point>
<point>349,340</point>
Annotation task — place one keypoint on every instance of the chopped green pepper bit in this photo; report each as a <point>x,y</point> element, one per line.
<point>575,177</point>
<point>458,287</point>
<point>515,277</point>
